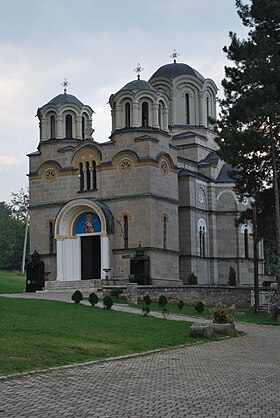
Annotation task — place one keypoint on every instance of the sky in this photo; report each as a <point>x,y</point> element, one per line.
<point>95,44</point>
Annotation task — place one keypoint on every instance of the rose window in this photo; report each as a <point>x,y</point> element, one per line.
<point>49,176</point>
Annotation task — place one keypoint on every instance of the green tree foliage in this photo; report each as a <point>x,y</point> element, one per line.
<point>11,239</point>
<point>249,128</point>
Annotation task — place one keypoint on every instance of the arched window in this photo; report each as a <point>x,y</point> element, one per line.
<point>127,115</point>
<point>51,237</point>
<point>187,108</point>
<point>88,175</point>
<point>246,243</point>
<point>165,232</point>
<point>69,130</point>
<point>145,114</point>
<point>125,231</point>
<point>52,126</point>
<point>83,127</point>
<point>94,175</point>
<point>81,176</point>
<point>202,241</point>
<point>201,227</point>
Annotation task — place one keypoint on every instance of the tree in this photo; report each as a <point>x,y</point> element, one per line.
<point>249,126</point>
<point>11,239</point>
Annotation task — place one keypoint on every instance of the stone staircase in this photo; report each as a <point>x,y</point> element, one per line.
<point>85,286</point>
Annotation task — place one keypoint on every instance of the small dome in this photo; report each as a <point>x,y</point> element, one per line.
<point>65,98</point>
<point>174,70</point>
<point>138,85</point>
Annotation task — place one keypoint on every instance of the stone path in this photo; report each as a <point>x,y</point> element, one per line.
<point>239,377</point>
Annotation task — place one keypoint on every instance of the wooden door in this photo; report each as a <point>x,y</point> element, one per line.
<point>90,254</point>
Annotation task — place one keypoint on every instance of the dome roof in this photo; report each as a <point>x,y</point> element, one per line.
<point>138,85</point>
<point>65,98</point>
<point>176,69</point>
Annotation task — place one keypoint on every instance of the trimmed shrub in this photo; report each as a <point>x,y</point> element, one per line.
<point>77,296</point>
<point>145,310</point>
<point>180,305</point>
<point>162,301</point>
<point>108,302</point>
<point>93,299</point>
<point>192,278</point>
<point>232,277</point>
<point>147,300</point>
<point>199,307</point>
<point>115,293</point>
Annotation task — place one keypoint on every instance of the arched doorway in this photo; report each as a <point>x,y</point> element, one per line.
<point>82,231</point>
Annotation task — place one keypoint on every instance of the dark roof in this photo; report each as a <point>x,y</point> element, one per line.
<point>137,85</point>
<point>65,98</point>
<point>174,70</point>
<point>223,176</point>
<point>185,172</point>
<point>212,158</point>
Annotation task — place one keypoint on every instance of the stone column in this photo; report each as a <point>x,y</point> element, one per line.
<point>44,129</point>
<point>165,119</point>
<point>202,113</point>
<point>155,115</point>
<point>105,254</point>
<point>119,124</point>
<point>135,122</point>
<point>59,127</point>
<point>79,133</point>
<point>173,108</point>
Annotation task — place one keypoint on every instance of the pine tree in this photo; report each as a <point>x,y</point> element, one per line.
<point>249,128</point>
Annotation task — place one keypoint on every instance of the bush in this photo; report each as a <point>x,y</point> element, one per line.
<point>115,293</point>
<point>77,296</point>
<point>180,305</point>
<point>145,310</point>
<point>232,277</point>
<point>162,301</point>
<point>147,300</point>
<point>192,279</point>
<point>199,307</point>
<point>93,299</point>
<point>222,314</point>
<point>108,302</point>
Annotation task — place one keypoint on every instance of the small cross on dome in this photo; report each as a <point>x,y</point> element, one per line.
<point>65,83</point>
<point>138,70</point>
<point>174,55</point>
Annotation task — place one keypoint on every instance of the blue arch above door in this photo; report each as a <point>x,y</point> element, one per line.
<point>87,223</point>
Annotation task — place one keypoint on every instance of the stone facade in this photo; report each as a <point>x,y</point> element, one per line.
<point>158,181</point>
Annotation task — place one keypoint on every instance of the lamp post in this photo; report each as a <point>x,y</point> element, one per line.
<point>256,258</point>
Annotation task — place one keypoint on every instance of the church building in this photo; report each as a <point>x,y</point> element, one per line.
<point>158,182</point>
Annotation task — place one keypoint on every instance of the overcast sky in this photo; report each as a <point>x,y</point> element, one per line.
<point>96,44</point>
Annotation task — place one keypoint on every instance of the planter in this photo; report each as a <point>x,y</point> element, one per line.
<point>204,331</point>
<point>226,329</point>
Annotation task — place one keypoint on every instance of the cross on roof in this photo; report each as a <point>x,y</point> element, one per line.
<point>174,55</point>
<point>138,70</point>
<point>65,83</point>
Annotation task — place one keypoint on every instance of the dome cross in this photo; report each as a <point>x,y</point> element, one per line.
<point>65,83</point>
<point>174,55</point>
<point>138,70</point>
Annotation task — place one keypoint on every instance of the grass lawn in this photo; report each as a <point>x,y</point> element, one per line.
<point>37,334</point>
<point>188,310</point>
<point>11,282</point>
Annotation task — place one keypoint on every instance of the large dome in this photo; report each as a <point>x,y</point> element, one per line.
<point>138,85</point>
<point>65,98</point>
<point>174,70</point>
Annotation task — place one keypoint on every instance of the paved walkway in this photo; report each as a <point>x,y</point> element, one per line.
<point>239,377</point>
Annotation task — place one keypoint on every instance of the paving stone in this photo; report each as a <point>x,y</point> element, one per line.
<point>238,377</point>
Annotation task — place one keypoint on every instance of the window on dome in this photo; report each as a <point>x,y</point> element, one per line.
<point>52,120</point>
<point>207,109</point>
<point>127,115</point>
<point>145,114</point>
<point>187,108</point>
<point>83,127</point>
<point>69,130</point>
